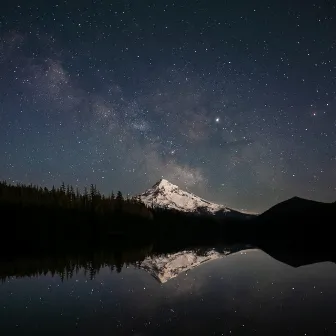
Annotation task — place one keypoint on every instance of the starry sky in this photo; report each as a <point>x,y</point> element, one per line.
<point>232,100</point>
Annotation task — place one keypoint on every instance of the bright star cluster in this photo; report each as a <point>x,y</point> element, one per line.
<point>233,100</point>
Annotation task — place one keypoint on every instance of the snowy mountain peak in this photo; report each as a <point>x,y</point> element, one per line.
<point>164,184</point>
<point>164,194</point>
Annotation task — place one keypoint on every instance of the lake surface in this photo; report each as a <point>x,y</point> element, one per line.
<point>184,293</point>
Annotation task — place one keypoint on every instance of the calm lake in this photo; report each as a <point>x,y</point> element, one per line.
<point>204,292</point>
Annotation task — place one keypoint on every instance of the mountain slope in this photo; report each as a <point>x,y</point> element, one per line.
<point>166,195</point>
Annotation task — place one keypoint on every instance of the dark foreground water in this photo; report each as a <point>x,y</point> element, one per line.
<point>244,293</point>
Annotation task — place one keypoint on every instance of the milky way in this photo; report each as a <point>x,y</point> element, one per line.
<point>233,100</point>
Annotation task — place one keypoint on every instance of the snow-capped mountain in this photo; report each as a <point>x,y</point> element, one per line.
<point>164,194</point>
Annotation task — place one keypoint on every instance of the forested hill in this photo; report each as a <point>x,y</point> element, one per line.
<point>31,215</point>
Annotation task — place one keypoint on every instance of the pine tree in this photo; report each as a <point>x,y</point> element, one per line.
<point>93,192</point>
<point>72,193</point>
<point>119,196</point>
<point>77,194</point>
<point>85,197</point>
<point>62,189</point>
<point>119,201</point>
<point>93,196</point>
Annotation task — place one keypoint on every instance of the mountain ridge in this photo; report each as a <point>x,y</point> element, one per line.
<point>297,206</point>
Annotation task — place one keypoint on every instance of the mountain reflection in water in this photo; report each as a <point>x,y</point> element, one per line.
<point>230,290</point>
<point>163,266</point>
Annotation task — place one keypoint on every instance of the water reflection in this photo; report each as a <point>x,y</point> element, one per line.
<point>68,265</point>
<point>226,290</point>
<point>168,266</point>
<point>91,262</point>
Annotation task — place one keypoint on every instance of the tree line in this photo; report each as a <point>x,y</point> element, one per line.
<point>33,217</point>
<point>68,197</point>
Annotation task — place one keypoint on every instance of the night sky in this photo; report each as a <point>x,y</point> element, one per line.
<point>233,100</point>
